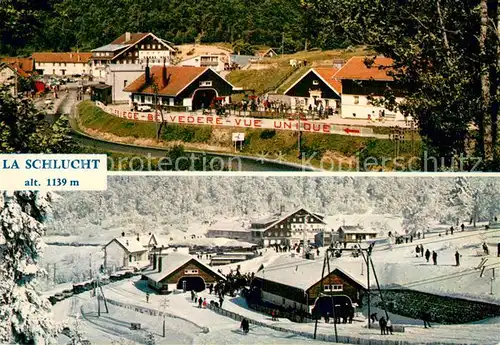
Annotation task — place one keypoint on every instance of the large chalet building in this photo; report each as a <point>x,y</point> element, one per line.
<point>131,49</point>
<point>287,229</point>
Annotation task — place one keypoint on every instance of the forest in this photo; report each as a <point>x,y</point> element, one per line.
<point>174,203</point>
<point>63,25</point>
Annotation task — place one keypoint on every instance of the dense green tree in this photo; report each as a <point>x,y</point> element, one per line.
<point>445,62</point>
<point>23,128</point>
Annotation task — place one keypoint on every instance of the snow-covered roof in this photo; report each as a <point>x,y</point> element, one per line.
<point>278,219</point>
<point>171,262</point>
<point>356,229</point>
<point>302,273</point>
<point>230,225</point>
<point>132,244</point>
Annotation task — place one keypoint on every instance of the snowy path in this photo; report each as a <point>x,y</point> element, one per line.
<point>223,330</point>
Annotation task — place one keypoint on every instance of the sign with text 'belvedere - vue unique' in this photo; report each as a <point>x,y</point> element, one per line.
<point>62,172</point>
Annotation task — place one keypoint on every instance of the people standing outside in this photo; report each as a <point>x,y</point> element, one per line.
<point>200,302</point>
<point>434,257</point>
<point>422,250</point>
<point>383,324</point>
<point>417,251</point>
<point>427,255</point>
<point>457,258</point>
<point>389,326</point>
<point>426,319</point>
<point>147,297</point>
<point>463,226</point>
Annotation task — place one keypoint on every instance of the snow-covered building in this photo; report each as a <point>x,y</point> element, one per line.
<point>182,272</point>
<point>355,234</point>
<point>287,229</point>
<point>296,283</point>
<point>325,238</point>
<point>127,251</point>
<point>235,230</point>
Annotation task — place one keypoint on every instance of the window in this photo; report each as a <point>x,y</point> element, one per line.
<point>142,46</point>
<point>338,287</point>
<point>356,99</point>
<point>205,83</point>
<point>148,46</point>
<point>193,271</point>
<point>154,46</point>
<point>130,258</point>
<point>65,64</point>
<point>315,82</point>
<point>281,226</point>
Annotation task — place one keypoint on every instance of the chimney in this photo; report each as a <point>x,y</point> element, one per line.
<point>164,79</point>
<point>148,72</point>
<point>123,234</point>
<point>159,263</point>
<point>127,37</point>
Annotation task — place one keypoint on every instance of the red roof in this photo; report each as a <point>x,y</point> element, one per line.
<point>26,64</point>
<point>327,74</point>
<point>179,77</point>
<point>134,38</point>
<point>62,57</point>
<point>14,67</point>
<point>356,69</point>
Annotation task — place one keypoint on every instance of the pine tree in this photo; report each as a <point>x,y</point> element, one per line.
<point>24,313</point>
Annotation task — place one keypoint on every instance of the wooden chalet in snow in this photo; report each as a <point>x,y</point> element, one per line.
<point>287,229</point>
<point>355,234</point>
<point>291,282</point>
<point>127,251</point>
<point>190,87</point>
<point>182,272</point>
<point>131,48</point>
<point>315,88</point>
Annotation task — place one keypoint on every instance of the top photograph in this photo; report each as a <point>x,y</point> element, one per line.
<point>260,86</point>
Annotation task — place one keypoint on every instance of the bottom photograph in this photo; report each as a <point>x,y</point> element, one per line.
<point>253,260</point>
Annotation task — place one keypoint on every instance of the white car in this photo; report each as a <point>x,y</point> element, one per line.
<point>144,107</point>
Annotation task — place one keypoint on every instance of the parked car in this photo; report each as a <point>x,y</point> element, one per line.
<point>144,107</point>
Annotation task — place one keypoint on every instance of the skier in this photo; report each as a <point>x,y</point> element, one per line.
<point>389,326</point>
<point>417,251</point>
<point>422,250</point>
<point>244,325</point>
<point>462,226</point>
<point>200,302</point>
<point>434,258</point>
<point>383,324</point>
<point>457,258</point>
<point>451,230</point>
<point>192,296</point>
<point>204,303</point>
<point>221,299</point>
<point>486,249</point>
<point>147,297</point>
<point>427,255</point>
<point>374,317</point>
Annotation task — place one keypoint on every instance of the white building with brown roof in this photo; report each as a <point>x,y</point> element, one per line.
<point>217,62</point>
<point>127,251</point>
<point>359,82</point>
<point>131,48</point>
<point>63,64</point>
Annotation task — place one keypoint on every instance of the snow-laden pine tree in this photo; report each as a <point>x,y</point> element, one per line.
<point>25,316</point>
<point>459,201</point>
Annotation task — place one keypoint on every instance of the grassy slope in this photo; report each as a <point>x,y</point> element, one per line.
<point>261,81</point>
<point>257,141</point>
